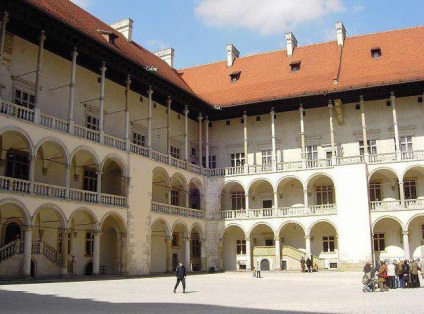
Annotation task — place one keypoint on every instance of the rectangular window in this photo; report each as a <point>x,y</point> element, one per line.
<point>139,139</point>
<point>267,157</point>
<point>379,242</point>
<point>406,147</point>
<point>175,197</point>
<point>92,123</point>
<point>175,152</point>
<point>193,152</point>
<point>325,195</point>
<point>371,147</point>
<point>375,191</point>
<point>89,243</point>
<point>269,242</point>
<point>59,242</point>
<point>237,159</point>
<point>238,200</point>
<point>90,179</point>
<point>212,161</point>
<point>328,244</point>
<point>410,189</point>
<point>267,204</point>
<point>195,248</point>
<point>175,239</point>
<point>312,152</point>
<point>241,247</point>
<point>24,99</point>
<point>17,164</point>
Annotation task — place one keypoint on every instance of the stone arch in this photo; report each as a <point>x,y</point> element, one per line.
<point>87,211</point>
<point>410,220</point>
<point>233,224</point>
<point>258,224</point>
<point>379,169</point>
<point>227,191</point>
<point>388,217</point>
<point>388,237</point>
<point>117,217</point>
<point>198,227</point>
<point>291,222</point>
<point>119,161</point>
<point>291,177</point>
<point>258,180</point>
<point>57,141</point>
<point>321,221</point>
<point>290,190</point>
<point>182,223</point>
<point>88,149</point>
<point>20,207</point>
<point>57,209</point>
<point>160,185</point>
<point>229,182</point>
<point>167,228</point>
<point>317,175</point>
<point>113,175</point>
<point>233,256</point>
<point>24,134</point>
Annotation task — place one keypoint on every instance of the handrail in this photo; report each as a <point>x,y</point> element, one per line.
<point>176,210</point>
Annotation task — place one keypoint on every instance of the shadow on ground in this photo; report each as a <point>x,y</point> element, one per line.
<point>22,302</point>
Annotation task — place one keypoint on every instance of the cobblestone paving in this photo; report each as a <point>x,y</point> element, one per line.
<point>276,292</point>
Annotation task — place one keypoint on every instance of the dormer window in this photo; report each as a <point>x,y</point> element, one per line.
<point>108,35</point>
<point>375,53</point>
<point>295,66</point>
<point>235,76</point>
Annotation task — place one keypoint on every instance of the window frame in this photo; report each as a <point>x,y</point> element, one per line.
<point>329,244</point>
<point>89,244</point>
<point>379,242</point>
<point>241,247</point>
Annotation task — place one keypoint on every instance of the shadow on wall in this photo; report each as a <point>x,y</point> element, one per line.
<point>21,302</point>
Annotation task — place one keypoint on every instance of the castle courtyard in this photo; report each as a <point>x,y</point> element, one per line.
<point>231,292</point>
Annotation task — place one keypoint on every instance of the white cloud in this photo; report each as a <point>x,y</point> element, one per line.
<point>264,16</point>
<point>358,8</point>
<point>156,45</point>
<point>85,4</point>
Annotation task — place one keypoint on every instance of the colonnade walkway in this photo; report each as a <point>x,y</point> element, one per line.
<point>230,292</point>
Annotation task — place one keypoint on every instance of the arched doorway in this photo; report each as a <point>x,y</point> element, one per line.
<point>388,239</point>
<point>13,232</point>
<point>234,248</point>
<point>265,264</point>
<point>293,245</point>
<point>262,243</point>
<point>112,245</point>
<point>324,245</point>
<point>158,247</point>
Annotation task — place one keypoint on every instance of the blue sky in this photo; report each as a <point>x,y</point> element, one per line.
<point>199,30</point>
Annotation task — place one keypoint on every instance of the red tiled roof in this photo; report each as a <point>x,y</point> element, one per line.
<point>268,76</point>
<point>72,15</point>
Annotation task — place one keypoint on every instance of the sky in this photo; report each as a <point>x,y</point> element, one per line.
<point>199,30</point>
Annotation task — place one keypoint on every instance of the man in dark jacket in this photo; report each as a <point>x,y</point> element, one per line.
<point>180,272</point>
<point>309,264</point>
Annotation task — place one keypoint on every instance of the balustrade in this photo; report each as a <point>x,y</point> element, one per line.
<point>87,133</point>
<point>115,142</point>
<point>176,210</point>
<point>17,111</point>
<point>139,150</point>
<point>54,123</point>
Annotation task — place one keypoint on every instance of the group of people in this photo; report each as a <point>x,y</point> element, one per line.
<point>395,274</point>
<point>308,264</point>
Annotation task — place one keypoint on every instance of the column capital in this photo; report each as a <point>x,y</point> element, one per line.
<point>74,52</point>
<point>405,232</point>
<point>272,111</point>
<point>200,117</point>
<point>247,239</point>
<point>392,95</point>
<point>244,114</point>
<point>361,98</point>
<point>168,238</point>
<point>276,238</point>
<point>123,235</point>
<point>150,90</point>
<point>307,236</point>
<point>186,109</point>
<point>188,238</point>
<point>97,232</point>
<point>330,104</point>
<point>169,101</point>
<point>128,80</point>
<point>301,107</point>
<point>202,240</point>
<point>65,230</point>
<point>206,118</point>
<point>28,228</point>
<point>42,36</point>
<point>103,67</point>
<point>6,17</point>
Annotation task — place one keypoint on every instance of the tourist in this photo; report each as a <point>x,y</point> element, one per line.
<point>315,268</point>
<point>405,271</point>
<point>180,272</point>
<point>413,268</point>
<point>420,272</point>
<point>399,273</point>
<point>302,264</point>
<point>254,271</point>
<point>258,270</point>
<point>309,264</point>
<point>391,274</point>
<point>382,276</point>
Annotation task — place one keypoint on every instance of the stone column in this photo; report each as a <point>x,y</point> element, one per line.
<point>333,145</point>
<point>275,201</point>
<point>96,253</point>
<point>124,253</point>
<point>168,243</point>
<point>168,128</point>
<point>246,155</point>
<point>395,125</point>
<point>207,142</point>
<point>31,176</point>
<point>187,199</point>
<point>364,128</point>
<point>220,255</point>
<point>203,266</point>
<point>308,245</point>
<point>67,180</point>
<point>127,112</point>
<point>246,197</point>
<point>406,249</point>
<point>401,194</point>
<point>248,255</point>
<point>273,152</point>
<point>102,100</point>
<point>3,33</point>
<point>200,139</point>
<point>64,249</point>
<point>27,251</point>
<point>37,115</point>
<point>149,121</point>
<point>277,254</point>
<point>187,253</point>
<point>169,195</point>
<point>118,251</point>
<point>186,134</point>
<point>305,197</point>
<point>99,186</point>
<point>72,93</point>
<point>302,135</point>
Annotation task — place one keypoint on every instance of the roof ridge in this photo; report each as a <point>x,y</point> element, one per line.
<point>386,31</point>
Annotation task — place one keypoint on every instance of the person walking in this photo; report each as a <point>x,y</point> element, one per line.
<point>399,273</point>
<point>413,268</point>
<point>382,275</point>
<point>309,264</point>
<point>405,271</point>
<point>302,264</point>
<point>391,273</point>
<point>180,272</point>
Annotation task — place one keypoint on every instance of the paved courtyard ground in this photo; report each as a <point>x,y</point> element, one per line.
<point>277,292</point>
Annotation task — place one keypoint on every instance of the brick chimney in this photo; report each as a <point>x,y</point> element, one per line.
<point>166,55</point>
<point>125,27</point>
<point>341,33</point>
<point>291,42</point>
<point>232,54</point>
